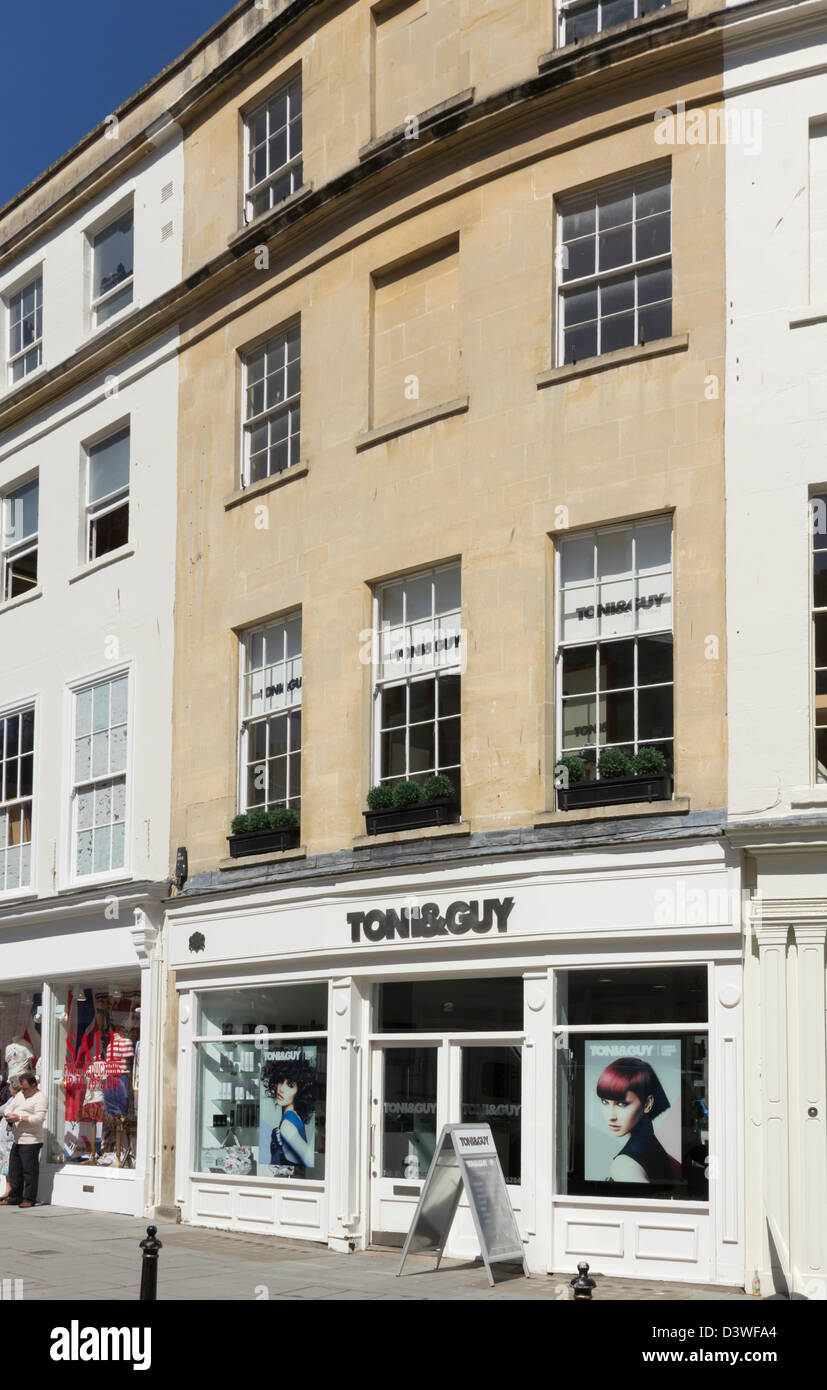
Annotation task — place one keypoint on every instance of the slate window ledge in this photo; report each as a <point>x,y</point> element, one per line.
<point>246,494</point>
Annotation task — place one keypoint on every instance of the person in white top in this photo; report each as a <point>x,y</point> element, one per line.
<point>26,1113</point>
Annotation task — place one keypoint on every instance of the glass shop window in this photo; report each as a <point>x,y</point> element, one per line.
<point>96,1055</point>
<point>455,1006</point>
<point>632,1106</point>
<point>262,1082</point>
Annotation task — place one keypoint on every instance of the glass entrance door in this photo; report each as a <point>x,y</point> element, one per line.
<point>420,1086</point>
<point>405,1124</point>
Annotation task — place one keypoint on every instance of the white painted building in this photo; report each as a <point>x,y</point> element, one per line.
<point>88,448</point>
<point>776,459</point>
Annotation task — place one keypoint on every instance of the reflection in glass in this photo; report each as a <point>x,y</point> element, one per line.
<point>492,1095</point>
<point>409,1112</point>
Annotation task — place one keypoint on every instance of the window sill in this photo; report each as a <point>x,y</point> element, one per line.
<point>246,494</point>
<point>21,598</point>
<point>401,837</point>
<point>632,27</point>
<point>808,798</point>
<point>274,858</point>
<point>17,895</point>
<point>111,558</point>
<point>424,120</point>
<point>412,422</point>
<point>98,330</point>
<point>94,881</point>
<point>662,347</point>
<point>264,219</point>
<point>11,390</point>
<point>679,805</point>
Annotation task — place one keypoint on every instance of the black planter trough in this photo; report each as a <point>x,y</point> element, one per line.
<point>262,842</point>
<point>615,791</point>
<point>417,817</point>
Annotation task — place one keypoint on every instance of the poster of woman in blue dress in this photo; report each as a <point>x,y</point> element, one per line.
<point>287,1106</point>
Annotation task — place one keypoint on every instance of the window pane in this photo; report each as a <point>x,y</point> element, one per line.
<point>654,322</point>
<point>653,285</point>
<point>579,722</point>
<point>577,560</point>
<point>653,236</point>
<point>615,209</point>
<point>657,197</point>
<point>578,258</point>
<point>581,306</point>
<point>422,701</point>
<point>392,754</point>
<point>449,695</point>
<point>654,659</point>
<point>408,1137</point>
<point>617,12</point>
<point>449,742</point>
<point>617,665</point>
<point>615,248</point>
<point>579,671</point>
<point>109,532</point>
<point>820,579</point>
<point>21,513</point>
<point>418,599</point>
<point>579,224</point>
<point>113,260</point>
<point>580,343</point>
<point>643,994</point>
<point>447,585</point>
<point>100,706</point>
<point>119,689</point>
<point>617,332</point>
<point>492,1095</point>
<point>394,706</point>
<point>619,717</point>
<point>653,547</point>
<point>473,1006</point>
<point>654,713</point>
<point>422,747</point>
<point>109,466</point>
<point>113,306</point>
<point>617,295</point>
<point>820,624</point>
<point>614,554</point>
<point>274,1008</point>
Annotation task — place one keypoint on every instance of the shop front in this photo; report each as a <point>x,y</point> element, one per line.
<point>587,1006</point>
<point>85,1027</point>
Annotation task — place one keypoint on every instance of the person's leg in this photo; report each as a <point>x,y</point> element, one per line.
<point>30,1156</point>
<point>15,1175</point>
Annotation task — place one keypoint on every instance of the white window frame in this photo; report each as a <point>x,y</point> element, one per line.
<point>246,721</point>
<point>12,359</point>
<point>128,282</point>
<point>76,785</point>
<point>567,7</point>
<point>597,641</point>
<point>284,407</point>
<point>424,671</point>
<point>291,166</point>
<point>634,185</point>
<point>111,501</point>
<point>816,610</point>
<point>20,801</point>
<point>18,550</point>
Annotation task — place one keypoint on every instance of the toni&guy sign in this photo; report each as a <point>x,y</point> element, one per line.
<point>418,923</point>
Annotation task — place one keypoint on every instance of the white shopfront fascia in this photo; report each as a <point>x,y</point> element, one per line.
<point>70,944</point>
<point>655,905</point>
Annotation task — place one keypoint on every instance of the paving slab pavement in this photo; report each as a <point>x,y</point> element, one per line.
<point>63,1253</point>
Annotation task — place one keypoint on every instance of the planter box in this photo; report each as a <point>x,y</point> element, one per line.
<point>615,791</point>
<point>262,842</point>
<point>412,817</point>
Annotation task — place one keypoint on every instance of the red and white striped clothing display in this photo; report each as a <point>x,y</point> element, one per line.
<point>119,1054</point>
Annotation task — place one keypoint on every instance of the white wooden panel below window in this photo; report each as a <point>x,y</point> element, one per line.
<point>594,1237</point>
<point>667,1242</point>
<point>300,1211</point>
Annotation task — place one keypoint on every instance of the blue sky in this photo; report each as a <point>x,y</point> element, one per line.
<point>68,63</point>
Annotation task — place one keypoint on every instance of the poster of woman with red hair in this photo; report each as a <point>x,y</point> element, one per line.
<point>633,1111</point>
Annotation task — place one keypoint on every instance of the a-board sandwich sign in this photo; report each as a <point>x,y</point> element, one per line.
<point>466,1159</point>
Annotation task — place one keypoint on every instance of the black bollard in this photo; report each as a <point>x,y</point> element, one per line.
<point>582,1284</point>
<point>149,1266</point>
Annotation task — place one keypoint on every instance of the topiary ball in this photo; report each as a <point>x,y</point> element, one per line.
<point>284,818</point>
<point>405,794</point>
<point>438,787</point>
<point>649,761</point>
<point>240,825</point>
<point>380,798</point>
<point>613,762</point>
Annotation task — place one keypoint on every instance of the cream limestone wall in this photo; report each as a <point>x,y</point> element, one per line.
<point>416,334</point>
<point>488,486</point>
<point>365,69</point>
